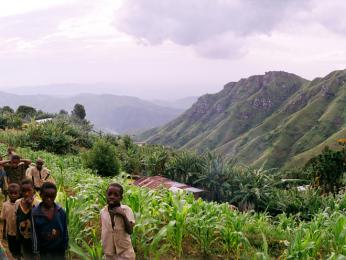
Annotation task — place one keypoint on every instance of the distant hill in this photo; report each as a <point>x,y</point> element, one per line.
<point>118,114</point>
<point>273,120</point>
<point>183,103</point>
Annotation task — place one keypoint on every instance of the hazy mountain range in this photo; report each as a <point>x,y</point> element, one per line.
<point>112,113</point>
<point>276,120</point>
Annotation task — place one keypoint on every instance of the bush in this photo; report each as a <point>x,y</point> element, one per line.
<point>327,170</point>
<point>51,136</point>
<point>102,158</point>
<point>10,121</point>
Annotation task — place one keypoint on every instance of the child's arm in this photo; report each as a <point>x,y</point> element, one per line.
<point>26,161</point>
<point>3,219</point>
<point>65,232</point>
<point>4,230</point>
<point>128,225</point>
<point>34,238</point>
<point>4,162</point>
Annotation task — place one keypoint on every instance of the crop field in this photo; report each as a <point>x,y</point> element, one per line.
<point>176,226</point>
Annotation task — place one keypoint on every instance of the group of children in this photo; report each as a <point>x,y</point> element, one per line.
<point>38,229</point>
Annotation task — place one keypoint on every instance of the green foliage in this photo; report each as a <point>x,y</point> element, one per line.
<point>327,170</point>
<point>185,167</point>
<point>169,225</point>
<point>79,111</point>
<point>25,112</point>
<point>102,158</point>
<point>11,121</point>
<point>52,136</point>
<point>155,161</point>
<point>6,109</point>
<point>274,120</point>
<point>57,136</point>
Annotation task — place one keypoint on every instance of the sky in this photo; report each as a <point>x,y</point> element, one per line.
<point>166,49</point>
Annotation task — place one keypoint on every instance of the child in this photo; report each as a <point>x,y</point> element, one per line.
<point>8,215</point>
<point>15,168</point>
<point>23,217</point>
<point>117,223</point>
<point>39,174</point>
<point>50,235</point>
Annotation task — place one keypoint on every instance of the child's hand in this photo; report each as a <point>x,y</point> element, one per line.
<point>119,211</point>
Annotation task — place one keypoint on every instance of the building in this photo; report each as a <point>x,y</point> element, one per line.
<point>156,182</point>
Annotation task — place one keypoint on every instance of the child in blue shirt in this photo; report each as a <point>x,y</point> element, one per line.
<point>50,235</point>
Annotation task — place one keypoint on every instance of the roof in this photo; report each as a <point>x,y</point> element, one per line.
<point>44,120</point>
<point>154,182</point>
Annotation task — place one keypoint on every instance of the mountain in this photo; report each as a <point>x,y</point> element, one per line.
<point>70,89</point>
<point>118,114</point>
<point>183,103</point>
<point>273,120</point>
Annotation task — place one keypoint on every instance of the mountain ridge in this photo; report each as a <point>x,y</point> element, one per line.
<point>108,112</point>
<point>263,120</point>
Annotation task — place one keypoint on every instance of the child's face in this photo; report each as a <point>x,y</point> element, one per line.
<point>27,191</point>
<point>13,194</point>
<point>114,196</point>
<point>15,162</point>
<point>48,196</point>
<point>39,165</point>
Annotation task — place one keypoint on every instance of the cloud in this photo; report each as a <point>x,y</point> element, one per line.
<point>215,28</point>
<point>37,23</point>
<point>330,14</point>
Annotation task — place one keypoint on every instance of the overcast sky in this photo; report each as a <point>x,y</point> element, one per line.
<point>167,48</point>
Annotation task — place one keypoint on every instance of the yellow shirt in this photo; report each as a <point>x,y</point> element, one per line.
<point>8,213</point>
<point>116,241</point>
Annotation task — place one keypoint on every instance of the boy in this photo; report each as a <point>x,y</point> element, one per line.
<point>8,215</point>
<point>15,168</point>
<point>24,207</point>
<point>50,235</point>
<point>117,223</point>
<point>39,174</point>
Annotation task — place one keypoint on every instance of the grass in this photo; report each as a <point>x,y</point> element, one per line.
<point>304,115</point>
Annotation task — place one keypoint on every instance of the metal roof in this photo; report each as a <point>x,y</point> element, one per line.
<point>154,182</point>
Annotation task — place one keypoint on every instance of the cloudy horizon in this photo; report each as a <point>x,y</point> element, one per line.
<point>166,48</point>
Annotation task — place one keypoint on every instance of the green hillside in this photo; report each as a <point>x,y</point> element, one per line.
<point>269,120</point>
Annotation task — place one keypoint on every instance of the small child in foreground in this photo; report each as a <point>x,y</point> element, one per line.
<point>8,215</point>
<point>50,235</point>
<point>24,208</point>
<point>117,223</point>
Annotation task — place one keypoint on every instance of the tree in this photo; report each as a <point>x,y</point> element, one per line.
<point>63,112</point>
<point>102,158</point>
<point>7,109</point>
<point>26,111</point>
<point>79,111</point>
<point>327,170</point>
<point>186,167</point>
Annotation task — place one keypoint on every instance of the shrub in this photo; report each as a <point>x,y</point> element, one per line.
<point>102,158</point>
<point>327,170</point>
<point>51,136</point>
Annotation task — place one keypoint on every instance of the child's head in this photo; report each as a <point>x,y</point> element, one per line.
<point>39,163</point>
<point>15,160</point>
<point>27,188</point>
<point>114,194</point>
<point>48,193</point>
<point>13,192</point>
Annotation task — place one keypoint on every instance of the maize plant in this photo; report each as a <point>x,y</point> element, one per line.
<point>176,226</point>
